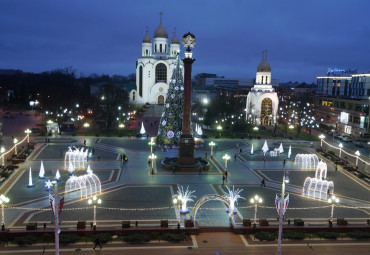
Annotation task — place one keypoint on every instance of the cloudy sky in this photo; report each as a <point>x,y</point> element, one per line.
<point>303,38</point>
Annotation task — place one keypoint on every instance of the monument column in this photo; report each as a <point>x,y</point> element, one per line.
<point>186,146</point>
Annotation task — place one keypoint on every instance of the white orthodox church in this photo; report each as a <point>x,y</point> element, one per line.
<point>262,100</point>
<point>154,67</point>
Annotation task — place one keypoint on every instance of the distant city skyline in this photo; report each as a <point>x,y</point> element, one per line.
<point>303,39</point>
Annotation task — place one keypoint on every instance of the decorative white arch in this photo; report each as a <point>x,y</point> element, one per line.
<point>77,157</point>
<point>318,187</point>
<point>207,198</point>
<point>88,185</point>
<point>306,161</point>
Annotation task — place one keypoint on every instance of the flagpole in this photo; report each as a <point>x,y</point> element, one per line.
<point>282,201</point>
<point>56,218</point>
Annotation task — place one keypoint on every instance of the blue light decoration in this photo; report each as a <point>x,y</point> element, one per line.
<point>336,71</point>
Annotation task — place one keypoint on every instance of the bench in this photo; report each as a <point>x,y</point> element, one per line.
<point>357,223</point>
<point>367,180</point>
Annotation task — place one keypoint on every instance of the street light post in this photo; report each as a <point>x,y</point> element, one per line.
<point>3,200</point>
<point>120,128</point>
<point>219,128</point>
<point>281,212</point>
<point>322,138</point>
<point>255,200</point>
<point>211,144</point>
<point>94,201</point>
<point>151,143</point>
<point>177,202</point>
<point>226,157</point>
<point>15,145</point>
<point>340,149</point>
<point>152,157</point>
<point>357,154</point>
<point>2,150</point>
<point>28,132</point>
<point>86,126</point>
<point>332,200</point>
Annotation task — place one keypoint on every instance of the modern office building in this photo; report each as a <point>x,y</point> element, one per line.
<point>342,102</point>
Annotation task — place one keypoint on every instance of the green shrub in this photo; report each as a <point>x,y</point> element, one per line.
<point>65,239</point>
<point>137,238</point>
<point>331,153</point>
<point>262,235</point>
<point>25,240</point>
<point>361,175</point>
<point>293,234</point>
<point>359,235</point>
<point>105,237</point>
<point>5,174</point>
<point>328,235</point>
<point>175,238</point>
<point>46,238</point>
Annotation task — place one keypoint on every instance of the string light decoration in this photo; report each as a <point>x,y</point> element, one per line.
<point>233,197</point>
<point>88,184</point>
<point>76,157</point>
<point>318,187</point>
<point>306,161</point>
<point>184,197</point>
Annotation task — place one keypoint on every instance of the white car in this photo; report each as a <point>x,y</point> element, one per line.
<point>346,139</point>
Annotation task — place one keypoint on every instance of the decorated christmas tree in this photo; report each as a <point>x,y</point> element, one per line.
<point>170,126</point>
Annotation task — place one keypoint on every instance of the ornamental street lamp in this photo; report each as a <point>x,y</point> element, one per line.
<point>322,138</point>
<point>151,143</point>
<point>94,201</point>
<point>211,144</point>
<point>357,154</point>
<point>120,128</point>
<point>219,128</point>
<point>28,132</point>
<point>152,157</point>
<point>255,200</point>
<point>86,126</point>
<point>3,201</point>
<point>15,145</point>
<point>2,150</point>
<point>281,212</point>
<point>226,157</point>
<point>177,202</point>
<point>332,200</point>
<point>340,149</point>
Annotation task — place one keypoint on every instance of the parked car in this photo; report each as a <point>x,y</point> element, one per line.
<point>346,139</point>
<point>359,144</point>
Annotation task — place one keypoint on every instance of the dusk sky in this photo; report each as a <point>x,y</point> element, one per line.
<point>303,38</point>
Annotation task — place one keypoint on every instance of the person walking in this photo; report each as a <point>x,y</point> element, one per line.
<point>226,174</point>
<point>223,179</point>
<point>284,163</point>
<point>263,183</point>
<point>235,157</point>
<point>97,242</point>
<point>336,167</point>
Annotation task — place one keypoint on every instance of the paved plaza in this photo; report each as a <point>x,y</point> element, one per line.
<point>131,192</point>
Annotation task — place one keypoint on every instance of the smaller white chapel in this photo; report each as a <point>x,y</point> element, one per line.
<point>262,100</point>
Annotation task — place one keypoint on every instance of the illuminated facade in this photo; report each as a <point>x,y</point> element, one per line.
<point>342,102</point>
<point>262,100</point>
<point>154,68</point>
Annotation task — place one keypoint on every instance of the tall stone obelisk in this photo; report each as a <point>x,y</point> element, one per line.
<point>186,147</point>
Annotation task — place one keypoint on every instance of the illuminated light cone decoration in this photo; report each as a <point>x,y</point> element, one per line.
<point>42,171</point>
<point>200,131</point>
<point>142,130</point>
<point>89,171</point>
<point>290,151</point>
<point>57,176</point>
<point>265,148</point>
<point>170,126</point>
<point>281,149</point>
<point>252,152</point>
<point>30,184</point>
